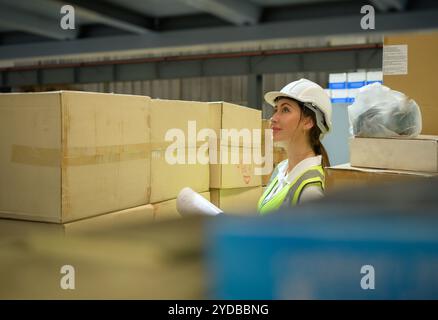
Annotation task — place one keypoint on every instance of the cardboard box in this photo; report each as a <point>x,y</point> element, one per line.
<point>228,168</point>
<point>346,176</point>
<point>238,200</point>
<point>156,261</point>
<point>228,116</point>
<point>103,224</point>
<point>188,118</point>
<point>420,81</point>
<point>169,115</point>
<point>66,155</point>
<point>236,172</point>
<point>167,179</point>
<point>166,210</point>
<point>419,154</point>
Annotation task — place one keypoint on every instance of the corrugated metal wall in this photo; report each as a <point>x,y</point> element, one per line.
<point>231,89</point>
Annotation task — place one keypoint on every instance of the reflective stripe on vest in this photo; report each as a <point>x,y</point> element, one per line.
<point>290,194</point>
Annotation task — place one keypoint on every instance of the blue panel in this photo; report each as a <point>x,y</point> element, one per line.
<point>339,100</point>
<point>356,84</point>
<point>322,256</point>
<point>337,85</point>
<point>369,82</point>
<point>336,141</point>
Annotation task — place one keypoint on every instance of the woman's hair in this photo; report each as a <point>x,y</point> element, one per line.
<point>314,132</point>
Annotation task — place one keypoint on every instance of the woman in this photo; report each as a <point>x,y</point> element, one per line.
<point>302,115</point>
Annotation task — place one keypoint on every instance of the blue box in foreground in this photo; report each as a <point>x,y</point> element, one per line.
<point>320,256</point>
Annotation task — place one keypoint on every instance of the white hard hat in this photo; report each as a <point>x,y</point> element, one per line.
<point>312,95</point>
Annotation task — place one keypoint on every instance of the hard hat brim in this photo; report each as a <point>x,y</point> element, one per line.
<point>272,95</point>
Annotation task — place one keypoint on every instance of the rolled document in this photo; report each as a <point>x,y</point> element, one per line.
<point>190,202</point>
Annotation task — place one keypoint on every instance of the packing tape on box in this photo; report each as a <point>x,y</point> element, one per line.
<point>81,156</point>
<point>162,146</point>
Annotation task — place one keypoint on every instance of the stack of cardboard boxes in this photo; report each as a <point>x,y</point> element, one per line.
<point>80,159</point>
<point>67,156</point>
<point>235,186</point>
<point>384,160</point>
<point>380,160</point>
<point>134,261</point>
<point>77,160</point>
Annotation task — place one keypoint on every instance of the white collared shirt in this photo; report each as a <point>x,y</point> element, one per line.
<point>309,193</point>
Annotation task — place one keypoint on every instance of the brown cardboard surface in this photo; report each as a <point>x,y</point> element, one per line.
<point>71,155</point>
<point>167,209</point>
<point>156,261</point>
<point>10,228</point>
<point>345,176</point>
<point>418,154</point>
<point>235,174</point>
<point>167,180</point>
<point>175,114</point>
<point>228,116</point>
<point>420,82</point>
<point>238,200</point>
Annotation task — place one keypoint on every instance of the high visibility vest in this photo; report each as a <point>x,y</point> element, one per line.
<point>290,194</point>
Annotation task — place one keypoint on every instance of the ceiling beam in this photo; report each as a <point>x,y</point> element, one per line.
<point>110,15</point>
<point>319,60</point>
<point>295,29</point>
<point>235,11</point>
<point>386,5</point>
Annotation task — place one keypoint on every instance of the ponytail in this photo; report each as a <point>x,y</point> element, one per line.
<point>314,135</point>
<point>325,159</point>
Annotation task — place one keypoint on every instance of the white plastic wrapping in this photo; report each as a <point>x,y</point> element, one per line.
<point>381,112</point>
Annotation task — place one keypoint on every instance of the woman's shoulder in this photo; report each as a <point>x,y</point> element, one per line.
<point>311,192</point>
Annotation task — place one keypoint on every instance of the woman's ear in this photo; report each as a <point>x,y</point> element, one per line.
<point>308,123</point>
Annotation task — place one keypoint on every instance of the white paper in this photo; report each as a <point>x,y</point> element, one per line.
<point>395,59</point>
<point>190,202</point>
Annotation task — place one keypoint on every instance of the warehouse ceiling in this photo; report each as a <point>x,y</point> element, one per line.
<point>32,29</point>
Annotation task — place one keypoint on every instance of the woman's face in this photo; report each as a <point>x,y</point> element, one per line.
<point>285,122</point>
